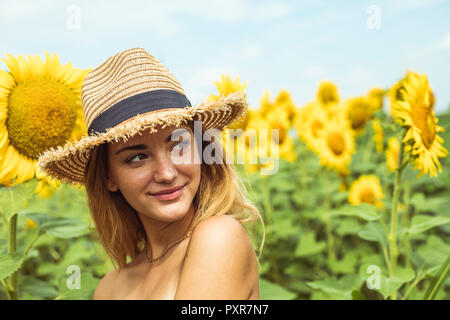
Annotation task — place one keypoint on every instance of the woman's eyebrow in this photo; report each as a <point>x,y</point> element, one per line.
<point>135,147</point>
<point>141,146</point>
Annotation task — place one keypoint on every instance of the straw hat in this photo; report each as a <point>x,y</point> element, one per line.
<point>125,95</point>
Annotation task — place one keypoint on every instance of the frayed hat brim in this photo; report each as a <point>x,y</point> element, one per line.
<point>68,163</point>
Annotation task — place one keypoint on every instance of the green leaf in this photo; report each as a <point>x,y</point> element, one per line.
<point>272,291</point>
<point>308,245</point>
<point>337,288</point>
<point>39,218</point>
<point>433,253</point>
<point>59,227</point>
<point>13,199</point>
<point>428,204</point>
<point>65,228</point>
<point>283,227</point>
<point>391,284</point>
<point>421,223</point>
<point>373,231</point>
<point>386,285</point>
<point>346,265</point>
<point>438,280</point>
<point>365,211</point>
<point>348,226</point>
<point>37,288</point>
<point>9,263</point>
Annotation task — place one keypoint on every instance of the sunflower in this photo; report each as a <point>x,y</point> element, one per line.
<point>226,86</point>
<point>366,189</point>
<point>327,93</point>
<point>239,145</point>
<point>394,94</point>
<point>279,119</point>
<point>415,113</point>
<point>378,136</point>
<point>310,121</point>
<point>393,146</point>
<point>284,101</point>
<point>40,107</point>
<point>335,145</point>
<point>377,94</point>
<point>359,111</point>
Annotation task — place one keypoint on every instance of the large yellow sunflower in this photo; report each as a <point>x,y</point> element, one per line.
<point>366,189</point>
<point>415,112</point>
<point>335,145</point>
<point>40,107</point>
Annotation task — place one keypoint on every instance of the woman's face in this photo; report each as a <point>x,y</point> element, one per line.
<point>148,164</point>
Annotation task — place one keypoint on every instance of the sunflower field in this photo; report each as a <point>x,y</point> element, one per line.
<point>356,207</point>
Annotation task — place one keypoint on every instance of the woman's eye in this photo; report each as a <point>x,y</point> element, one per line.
<point>134,157</point>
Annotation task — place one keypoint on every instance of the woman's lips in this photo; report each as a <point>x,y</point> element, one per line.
<point>168,196</point>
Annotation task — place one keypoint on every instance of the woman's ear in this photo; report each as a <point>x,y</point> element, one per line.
<point>111,185</point>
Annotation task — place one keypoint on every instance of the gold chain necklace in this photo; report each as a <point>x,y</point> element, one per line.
<point>164,252</point>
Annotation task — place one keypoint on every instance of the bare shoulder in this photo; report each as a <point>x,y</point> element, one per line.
<point>220,261</point>
<point>221,232</point>
<point>105,286</point>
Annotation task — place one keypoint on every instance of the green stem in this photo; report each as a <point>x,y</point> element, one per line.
<point>36,236</point>
<point>405,222</point>
<point>386,258</point>
<point>268,215</point>
<point>4,217</point>
<point>330,239</point>
<point>368,150</point>
<point>12,242</point>
<point>393,235</point>
<point>7,288</point>
<point>416,281</point>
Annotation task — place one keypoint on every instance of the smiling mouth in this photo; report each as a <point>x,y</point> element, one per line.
<point>169,196</point>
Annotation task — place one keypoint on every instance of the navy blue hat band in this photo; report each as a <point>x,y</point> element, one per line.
<point>138,104</point>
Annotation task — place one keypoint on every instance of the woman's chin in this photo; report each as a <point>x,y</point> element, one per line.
<point>170,212</point>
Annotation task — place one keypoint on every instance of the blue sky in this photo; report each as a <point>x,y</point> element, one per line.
<point>272,45</point>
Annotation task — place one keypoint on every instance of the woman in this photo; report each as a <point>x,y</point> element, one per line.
<point>172,225</point>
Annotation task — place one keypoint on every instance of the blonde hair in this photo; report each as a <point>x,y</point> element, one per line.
<point>120,231</point>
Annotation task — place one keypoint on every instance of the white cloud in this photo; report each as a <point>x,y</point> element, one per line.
<point>356,82</point>
<point>402,5</point>
<point>252,51</point>
<point>11,10</point>
<point>440,46</point>
<point>315,72</point>
<point>271,10</point>
<point>162,17</point>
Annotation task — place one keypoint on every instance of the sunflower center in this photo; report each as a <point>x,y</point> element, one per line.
<point>41,114</point>
<point>336,143</point>
<point>359,115</point>
<point>423,119</point>
<point>367,196</point>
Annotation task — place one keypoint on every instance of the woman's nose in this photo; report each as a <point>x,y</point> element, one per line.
<point>165,170</point>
